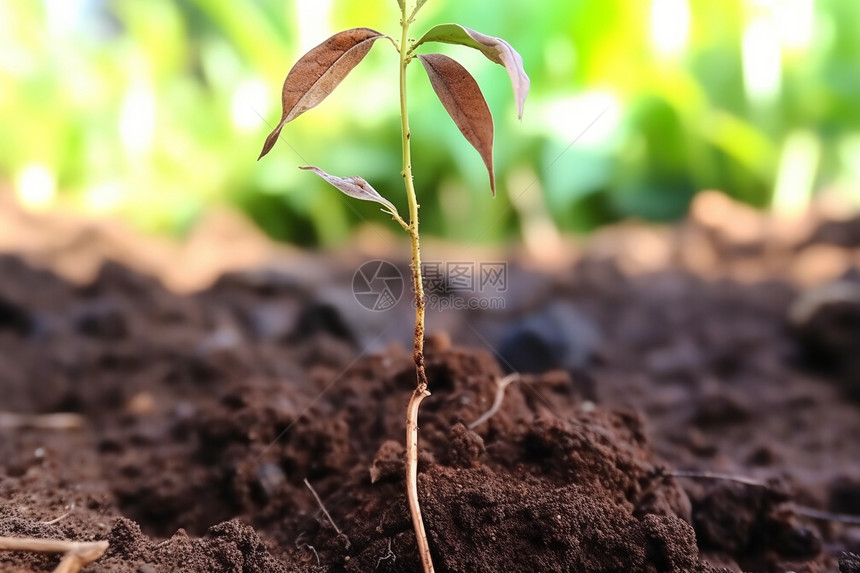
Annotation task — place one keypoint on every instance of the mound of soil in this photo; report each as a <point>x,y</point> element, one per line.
<point>691,431</point>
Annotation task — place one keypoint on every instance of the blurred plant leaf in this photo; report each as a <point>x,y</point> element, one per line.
<point>354,186</point>
<point>418,6</point>
<point>459,93</point>
<point>250,29</point>
<point>495,49</point>
<point>318,73</point>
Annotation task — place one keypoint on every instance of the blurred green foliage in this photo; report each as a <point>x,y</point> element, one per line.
<point>156,109</point>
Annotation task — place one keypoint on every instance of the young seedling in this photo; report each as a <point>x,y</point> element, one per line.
<point>319,72</point>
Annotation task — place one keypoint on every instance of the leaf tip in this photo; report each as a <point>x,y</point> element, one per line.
<point>270,142</point>
<point>265,150</point>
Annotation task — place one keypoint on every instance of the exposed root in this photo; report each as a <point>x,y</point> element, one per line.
<point>800,509</point>
<point>76,554</point>
<point>325,511</point>
<point>57,421</point>
<point>389,554</point>
<point>501,384</point>
<point>412,474</point>
<point>301,545</point>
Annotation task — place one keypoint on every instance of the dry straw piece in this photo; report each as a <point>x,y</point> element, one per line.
<point>76,554</point>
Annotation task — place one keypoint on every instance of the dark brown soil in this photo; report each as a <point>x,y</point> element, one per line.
<point>202,417</point>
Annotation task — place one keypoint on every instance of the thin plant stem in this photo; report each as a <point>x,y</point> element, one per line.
<point>411,197</point>
<point>420,391</point>
<point>718,476</point>
<point>325,511</point>
<point>800,509</point>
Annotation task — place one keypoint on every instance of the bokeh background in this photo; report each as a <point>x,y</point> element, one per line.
<point>154,111</point>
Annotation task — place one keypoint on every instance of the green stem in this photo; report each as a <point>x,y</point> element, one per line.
<point>413,212</point>
<point>420,391</point>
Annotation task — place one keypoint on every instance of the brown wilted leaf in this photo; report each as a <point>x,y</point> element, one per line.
<point>318,72</point>
<point>459,93</point>
<point>495,49</point>
<point>354,187</point>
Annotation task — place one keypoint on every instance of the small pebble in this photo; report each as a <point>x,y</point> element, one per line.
<point>557,337</point>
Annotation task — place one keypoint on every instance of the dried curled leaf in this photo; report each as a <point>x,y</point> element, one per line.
<point>459,93</point>
<point>354,187</point>
<point>495,49</point>
<point>318,72</point>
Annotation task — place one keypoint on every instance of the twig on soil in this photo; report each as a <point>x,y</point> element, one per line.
<point>826,515</point>
<point>718,476</point>
<point>56,421</point>
<point>501,384</point>
<point>388,555</point>
<point>801,509</point>
<point>59,519</point>
<point>76,554</point>
<point>325,511</point>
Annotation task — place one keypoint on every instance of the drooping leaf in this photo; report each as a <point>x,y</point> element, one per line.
<point>459,93</point>
<point>318,73</point>
<point>354,187</point>
<point>495,49</point>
